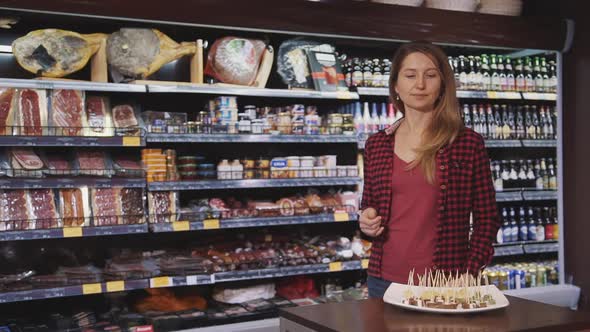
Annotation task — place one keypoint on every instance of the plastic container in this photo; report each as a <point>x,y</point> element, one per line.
<point>224,170</point>
<point>320,172</point>
<point>306,161</point>
<point>237,170</point>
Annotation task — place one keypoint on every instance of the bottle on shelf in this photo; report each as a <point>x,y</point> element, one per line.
<point>520,79</point>
<point>367,118</point>
<point>224,170</point>
<point>502,74</point>
<point>483,126</point>
<point>544,123</point>
<point>513,172</point>
<point>540,225</point>
<point>552,175</point>
<point>383,121</point>
<point>386,71</point>
<point>467,116</point>
<point>544,174</point>
<point>531,131</point>
<point>491,122</point>
<point>368,73</point>
<point>506,129</point>
<point>472,74</point>
<point>553,78</point>
<point>505,172</point>
<point>523,228</point>
<point>539,84</point>
<point>555,224</point>
<point>463,73</point>
<point>486,77</point>
<point>545,75</point>
<point>454,63</point>
<point>357,73</point>
<point>536,123</point>
<point>475,121</point>
<point>530,170</point>
<point>478,85</point>
<point>538,175</point>
<point>511,122</point>
<point>549,224</point>
<point>506,228</point>
<point>554,121</point>
<point>513,226</point>
<point>496,82</point>
<point>510,79</point>
<point>522,170</point>
<point>498,124</point>
<point>497,174</point>
<point>520,126</point>
<point>359,123</point>
<point>391,116</point>
<point>377,74</point>
<point>374,126</point>
<point>532,229</point>
<point>528,72</point>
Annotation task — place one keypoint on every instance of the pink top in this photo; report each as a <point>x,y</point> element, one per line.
<point>411,233</point>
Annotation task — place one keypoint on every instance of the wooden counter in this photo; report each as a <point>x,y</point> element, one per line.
<point>374,315</point>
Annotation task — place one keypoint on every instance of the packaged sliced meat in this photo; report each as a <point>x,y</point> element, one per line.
<point>127,166</point>
<point>235,60</point>
<point>95,163</point>
<point>162,206</point>
<point>287,206</point>
<point>132,206</point>
<point>74,207</point>
<point>106,206</point>
<point>42,208</point>
<point>14,211</point>
<point>57,164</point>
<point>25,158</point>
<point>31,112</point>
<point>265,209</point>
<point>125,119</point>
<point>98,116</point>
<point>67,113</point>
<point>7,110</point>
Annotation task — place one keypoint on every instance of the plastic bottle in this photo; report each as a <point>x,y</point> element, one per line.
<point>237,170</point>
<point>224,170</point>
<point>359,123</point>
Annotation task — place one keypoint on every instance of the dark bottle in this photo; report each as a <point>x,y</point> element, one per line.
<point>539,85</point>
<point>513,226</point>
<point>552,172</point>
<point>545,174</point>
<point>538,175</point>
<point>549,225</point>
<point>491,122</point>
<point>553,78</point>
<point>554,122</point>
<point>357,73</point>
<point>463,73</point>
<point>531,131</point>
<point>545,75</point>
<point>506,129</point>
<point>528,74</point>
<point>346,69</point>
<point>498,122</point>
<point>536,124</point>
<point>454,62</point>
<point>467,116</point>
<point>475,122</point>
<point>502,73</point>
<point>506,228</point>
<point>483,125</point>
<point>512,122</point>
<point>550,126</point>
<point>532,234</point>
<point>496,83</point>
<point>520,128</point>
<point>523,229</point>
<point>510,79</point>
<point>486,77</point>
<point>520,79</point>
<point>540,224</point>
<point>368,73</point>
<point>377,74</point>
<point>497,175</point>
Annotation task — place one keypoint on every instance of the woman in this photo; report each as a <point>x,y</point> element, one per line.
<point>425,177</point>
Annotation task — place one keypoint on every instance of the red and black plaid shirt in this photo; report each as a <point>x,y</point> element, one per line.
<point>466,187</point>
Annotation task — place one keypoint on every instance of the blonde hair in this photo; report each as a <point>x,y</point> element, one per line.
<point>446,122</point>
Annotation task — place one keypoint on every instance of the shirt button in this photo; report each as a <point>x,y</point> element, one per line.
<point>442,167</point>
<point>434,267</point>
<point>442,208</point>
<point>443,187</point>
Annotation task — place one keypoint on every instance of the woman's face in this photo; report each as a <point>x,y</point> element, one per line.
<point>419,82</point>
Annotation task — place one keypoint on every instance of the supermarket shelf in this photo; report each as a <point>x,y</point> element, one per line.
<point>87,289</point>
<point>70,84</point>
<point>508,143</point>
<point>560,295</point>
<point>59,233</point>
<point>508,196</point>
<point>74,182</point>
<point>248,91</point>
<point>539,195</point>
<point>542,143</point>
<point>239,138</point>
<point>539,96</point>
<point>71,141</point>
<point>468,94</point>
<point>525,247</point>
<point>373,91</point>
<point>174,281</point>
<point>251,222</point>
<point>254,183</point>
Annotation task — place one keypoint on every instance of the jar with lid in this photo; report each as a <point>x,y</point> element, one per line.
<point>348,129</point>
<point>335,118</point>
<point>335,129</point>
<point>244,124</point>
<point>284,123</point>
<point>347,119</point>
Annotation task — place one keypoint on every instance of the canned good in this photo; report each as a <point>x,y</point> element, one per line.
<point>293,172</point>
<point>335,119</point>
<point>519,279</point>
<point>257,126</point>
<point>331,172</point>
<point>553,277</point>
<point>320,172</point>
<point>284,123</point>
<point>306,161</point>
<point>494,279</point>
<point>347,119</point>
<point>533,277</point>
<point>341,171</point>
<point>263,173</point>
<point>249,173</point>
<point>306,172</point>
<point>504,281</point>
<point>248,163</point>
<point>541,276</point>
<point>293,161</point>
<point>262,163</point>
<point>348,129</point>
<point>352,171</point>
<point>335,129</point>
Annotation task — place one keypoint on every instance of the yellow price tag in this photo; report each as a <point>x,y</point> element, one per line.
<point>343,95</point>
<point>211,224</point>
<point>492,94</point>
<point>335,266</point>
<point>91,289</point>
<point>115,286</point>
<point>341,216</point>
<point>73,232</point>
<point>180,226</point>
<point>160,282</point>
<point>365,263</point>
<point>131,141</point>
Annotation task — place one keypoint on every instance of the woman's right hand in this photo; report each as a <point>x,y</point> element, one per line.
<point>370,223</point>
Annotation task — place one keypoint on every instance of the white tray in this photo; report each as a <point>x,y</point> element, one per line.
<point>394,295</point>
